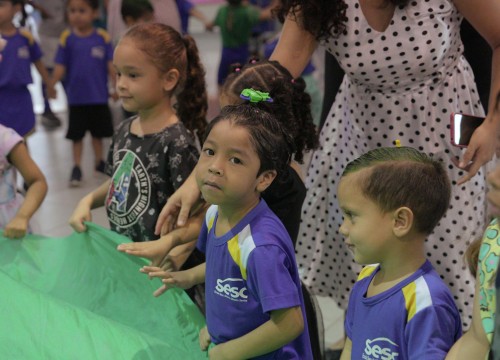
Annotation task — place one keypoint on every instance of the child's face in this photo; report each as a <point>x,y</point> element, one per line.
<point>494,191</point>
<point>139,83</point>
<point>227,170</point>
<point>7,12</point>
<point>80,14</point>
<point>366,228</point>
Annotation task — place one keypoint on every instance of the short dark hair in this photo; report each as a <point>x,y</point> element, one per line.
<point>403,176</point>
<point>273,145</point>
<point>136,9</point>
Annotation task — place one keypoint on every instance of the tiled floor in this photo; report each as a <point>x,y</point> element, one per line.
<point>53,154</point>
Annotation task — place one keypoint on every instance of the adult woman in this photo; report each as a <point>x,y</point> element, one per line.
<point>405,74</point>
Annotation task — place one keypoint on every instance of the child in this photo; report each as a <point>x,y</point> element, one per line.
<point>476,342</point>
<point>20,52</point>
<point>186,9</point>
<point>152,153</point>
<point>84,60</point>
<point>15,212</point>
<point>235,21</point>
<point>392,198</point>
<point>136,11</point>
<point>254,302</point>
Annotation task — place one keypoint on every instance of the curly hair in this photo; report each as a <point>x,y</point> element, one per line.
<point>168,49</point>
<point>291,104</point>
<point>322,18</point>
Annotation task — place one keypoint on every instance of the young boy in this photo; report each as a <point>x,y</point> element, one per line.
<point>84,59</point>
<point>392,198</point>
<point>254,303</point>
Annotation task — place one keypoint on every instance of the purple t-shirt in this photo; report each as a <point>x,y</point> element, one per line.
<point>416,319</point>
<point>251,271</point>
<point>20,51</point>
<point>86,61</point>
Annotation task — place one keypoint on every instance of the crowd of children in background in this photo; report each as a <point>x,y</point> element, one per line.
<point>165,157</point>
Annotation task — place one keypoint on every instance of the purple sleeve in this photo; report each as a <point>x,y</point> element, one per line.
<point>269,278</point>
<point>61,55</point>
<point>432,332</point>
<point>35,52</point>
<point>202,238</point>
<point>109,51</point>
<point>349,315</point>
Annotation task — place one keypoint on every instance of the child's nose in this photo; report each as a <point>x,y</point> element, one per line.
<point>343,229</point>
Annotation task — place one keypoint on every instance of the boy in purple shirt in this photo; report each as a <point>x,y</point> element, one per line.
<point>84,59</point>
<point>254,303</point>
<point>392,198</point>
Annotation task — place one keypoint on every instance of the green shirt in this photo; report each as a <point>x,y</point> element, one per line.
<point>236,24</point>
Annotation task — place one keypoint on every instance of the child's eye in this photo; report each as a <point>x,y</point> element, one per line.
<point>208,152</point>
<point>235,160</point>
<point>133,75</point>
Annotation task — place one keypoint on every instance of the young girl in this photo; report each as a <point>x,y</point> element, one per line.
<point>235,21</point>
<point>84,60</point>
<point>21,50</point>
<point>254,302</point>
<point>15,212</point>
<point>475,343</point>
<point>153,152</point>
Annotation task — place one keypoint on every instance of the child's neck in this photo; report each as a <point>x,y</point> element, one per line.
<point>395,269</point>
<point>154,120</point>
<point>8,29</point>
<point>229,216</point>
<point>85,31</point>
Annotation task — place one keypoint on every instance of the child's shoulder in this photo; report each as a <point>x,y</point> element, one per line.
<point>104,34</point>
<point>26,34</point>
<point>63,38</point>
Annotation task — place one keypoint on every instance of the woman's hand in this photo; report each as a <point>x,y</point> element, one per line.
<point>178,206</point>
<point>204,339</point>
<point>155,250</point>
<point>480,150</point>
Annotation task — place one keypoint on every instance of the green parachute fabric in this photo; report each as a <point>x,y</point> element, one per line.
<point>77,297</point>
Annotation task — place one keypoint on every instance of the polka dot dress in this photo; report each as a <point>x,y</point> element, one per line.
<point>403,84</point>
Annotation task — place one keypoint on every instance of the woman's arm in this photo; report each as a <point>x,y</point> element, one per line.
<point>178,206</point>
<point>483,15</point>
<point>37,189</point>
<point>284,326</point>
<point>295,47</point>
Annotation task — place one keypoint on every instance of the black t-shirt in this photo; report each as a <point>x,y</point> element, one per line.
<point>145,172</point>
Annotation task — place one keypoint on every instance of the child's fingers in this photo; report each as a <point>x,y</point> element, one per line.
<point>160,290</point>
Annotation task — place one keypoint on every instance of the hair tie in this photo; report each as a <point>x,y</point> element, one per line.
<point>255,96</point>
<point>293,81</point>
<point>237,69</point>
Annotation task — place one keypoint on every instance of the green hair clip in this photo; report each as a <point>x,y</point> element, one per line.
<point>255,96</point>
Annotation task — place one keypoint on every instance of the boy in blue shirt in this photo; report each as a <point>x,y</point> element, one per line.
<point>392,198</point>
<point>84,59</point>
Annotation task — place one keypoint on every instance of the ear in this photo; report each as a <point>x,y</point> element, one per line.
<point>129,21</point>
<point>403,221</point>
<point>170,79</point>
<point>265,179</point>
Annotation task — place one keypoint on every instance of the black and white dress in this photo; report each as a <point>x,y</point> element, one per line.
<point>402,83</point>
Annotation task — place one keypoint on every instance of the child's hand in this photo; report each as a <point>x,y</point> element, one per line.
<point>16,228</point>
<point>180,279</point>
<point>82,213</point>
<point>155,251</point>
<point>204,339</point>
<point>51,91</point>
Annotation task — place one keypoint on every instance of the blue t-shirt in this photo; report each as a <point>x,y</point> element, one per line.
<point>86,61</point>
<point>251,271</point>
<point>416,319</point>
<point>20,51</point>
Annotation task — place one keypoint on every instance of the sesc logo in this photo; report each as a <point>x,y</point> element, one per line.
<point>232,289</point>
<point>380,348</point>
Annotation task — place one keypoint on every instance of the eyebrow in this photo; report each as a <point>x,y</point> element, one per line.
<point>231,150</point>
